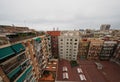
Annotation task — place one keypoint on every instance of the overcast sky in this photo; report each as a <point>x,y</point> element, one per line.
<point>64,14</point>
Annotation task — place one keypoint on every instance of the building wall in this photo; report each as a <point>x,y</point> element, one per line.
<point>83,48</point>
<point>39,54</point>
<point>116,55</point>
<point>108,49</point>
<point>13,67</point>
<point>36,55</point>
<point>105,27</point>
<point>68,45</point>
<point>54,42</point>
<point>94,48</point>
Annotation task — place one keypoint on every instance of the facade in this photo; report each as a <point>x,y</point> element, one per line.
<point>94,48</point>
<point>68,44</point>
<point>14,64</point>
<point>83,48</point>
<point>24,59</point>
<point>108,49</point>
<point>105,27</point>
<point>54,42</point>
<point>49,50</point>
<point>116,55</point>
<point>40,54</point>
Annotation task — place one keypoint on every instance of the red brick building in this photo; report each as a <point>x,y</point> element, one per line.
<point>54,42</point>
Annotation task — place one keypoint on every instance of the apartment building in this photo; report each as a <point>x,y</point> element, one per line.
<point>83,48</point>
<point>48,40</point>
<point>12,29</point>
<point>40,50</point>
<point>87,33</point>
<point>108,49</point>
<point>105,27</point>
<point>30,61</point>
<point>54,42</point>
<point>94,48</point>
<point>68,44</point>
<point>116,55</point>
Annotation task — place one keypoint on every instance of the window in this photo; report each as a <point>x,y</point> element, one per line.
<point>73,55</point>
<point>61,39</point>
<point>61,52</point>
<point>75,43</point>
<point>61,46</point>
<point>67,39</point>
<point>67,43</point>
<point>82,77</point>
<point>74,52</point>
<point>61,43</point>
<point>65,68</point>
<point>70,39</point>
<point>75,39</point>
<point>74,49</point>
<point>75,46</point>
<point>79,70</point>
<point>61,49</point>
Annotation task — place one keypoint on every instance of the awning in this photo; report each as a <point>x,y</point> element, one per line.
<point>5,52</point>
<point>18,47</point>
<point>23,76</point>
<point>13,72</point>
<point>37,39</point>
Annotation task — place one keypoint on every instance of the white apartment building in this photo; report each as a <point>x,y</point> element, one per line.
<point>68,44</point>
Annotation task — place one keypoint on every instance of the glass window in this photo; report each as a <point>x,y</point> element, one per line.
<point>75,39</point>
<point>61,39</point>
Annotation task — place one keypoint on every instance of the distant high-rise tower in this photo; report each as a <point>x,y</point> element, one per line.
<point>105,27</point>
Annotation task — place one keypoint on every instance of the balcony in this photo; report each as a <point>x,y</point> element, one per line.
<point>17,71</point>
<point>24,74</point>
<point>20,36</point>
<point>13,63</point>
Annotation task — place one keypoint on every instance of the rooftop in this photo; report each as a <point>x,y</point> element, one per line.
<point>109,73</point>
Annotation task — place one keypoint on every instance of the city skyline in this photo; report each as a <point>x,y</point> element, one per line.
<point>65,15</point>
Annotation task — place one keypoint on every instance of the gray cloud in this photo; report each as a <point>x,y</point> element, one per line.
<point>65,14</point>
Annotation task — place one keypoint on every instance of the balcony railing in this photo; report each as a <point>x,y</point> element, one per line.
<point>17,71</point>
<point>20,36</point>
<point>24,74</point>
<point>13,64</point>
